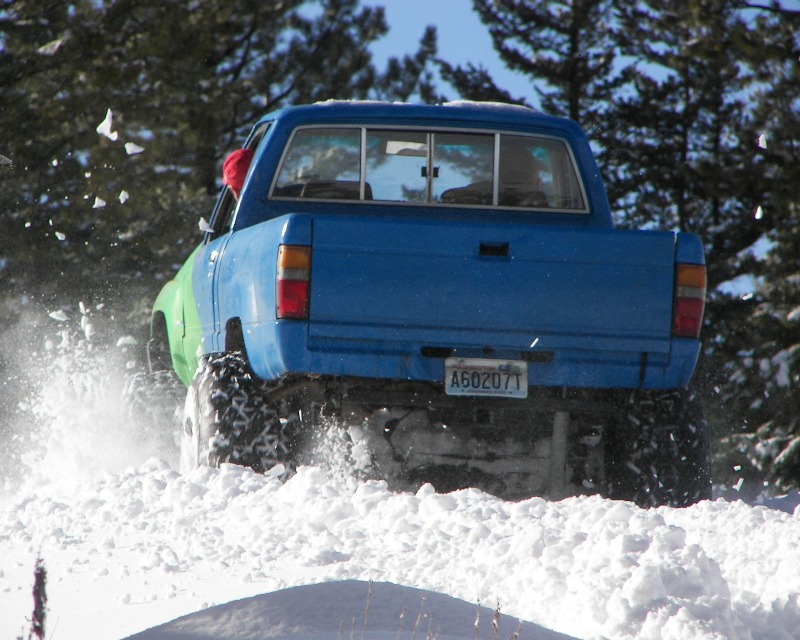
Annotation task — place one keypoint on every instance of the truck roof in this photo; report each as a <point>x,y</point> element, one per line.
<point>458,113</point>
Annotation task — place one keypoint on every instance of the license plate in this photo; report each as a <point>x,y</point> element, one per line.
<point>486,377</point>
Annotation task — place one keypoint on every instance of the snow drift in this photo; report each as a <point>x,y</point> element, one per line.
<point>129,543</point>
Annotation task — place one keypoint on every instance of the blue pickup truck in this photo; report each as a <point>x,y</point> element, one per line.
<point>445,284</point>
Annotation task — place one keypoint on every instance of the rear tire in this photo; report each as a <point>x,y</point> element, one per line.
<point>659,453</point>
<point>227,420</point>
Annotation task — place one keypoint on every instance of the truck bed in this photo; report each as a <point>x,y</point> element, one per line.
<point>392,296</point>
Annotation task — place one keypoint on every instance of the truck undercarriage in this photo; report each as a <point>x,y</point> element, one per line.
<point>556,443</point>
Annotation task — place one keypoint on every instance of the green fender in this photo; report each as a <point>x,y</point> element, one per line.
<point>175,306</point>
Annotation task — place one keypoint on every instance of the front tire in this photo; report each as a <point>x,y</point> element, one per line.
<point>659,452</point>
<point>151,403</point>
<point>227,419</point>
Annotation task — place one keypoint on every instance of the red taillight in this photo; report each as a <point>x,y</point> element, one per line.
<point>292,282</point>
<point>690,300</point>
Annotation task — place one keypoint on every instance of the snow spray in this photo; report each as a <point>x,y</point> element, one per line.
<point>74,422</point>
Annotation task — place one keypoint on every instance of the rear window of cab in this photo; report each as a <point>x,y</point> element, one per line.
<point>441,167</point>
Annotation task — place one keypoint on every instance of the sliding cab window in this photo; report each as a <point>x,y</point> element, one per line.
<point>420,166</point>
<point>439,167</point>
<point>397,163</point>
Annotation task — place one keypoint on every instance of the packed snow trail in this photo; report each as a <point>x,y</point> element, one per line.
<point>130,543</point>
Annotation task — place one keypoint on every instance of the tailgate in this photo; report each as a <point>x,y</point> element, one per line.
<point>418,281</point>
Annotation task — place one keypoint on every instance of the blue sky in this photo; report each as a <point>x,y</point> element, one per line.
<point>462,38</point>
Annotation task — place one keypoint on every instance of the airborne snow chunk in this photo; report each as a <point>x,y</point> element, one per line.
<point>51,47</point>
<point>131,148</point>
<point>104,128</point>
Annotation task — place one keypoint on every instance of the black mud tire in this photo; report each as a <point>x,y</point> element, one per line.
<point>227,420</point>
<point>659,452</point>
<point>152,403</point>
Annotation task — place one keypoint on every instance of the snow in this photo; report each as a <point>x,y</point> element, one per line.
<point>104,128</point>
<point>498,106</point>
<point>483,104</point>
<point>59,315</point>
<point>380,611</point>
<point>130,544</point>
<point>52,47</point>
<point>131,148</point>
<point>204,226</point>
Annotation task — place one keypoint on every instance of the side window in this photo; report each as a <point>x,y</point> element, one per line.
<point>321,163</point>
<point>538,173</point>
<point>222,217</point>
<point>221,220</point>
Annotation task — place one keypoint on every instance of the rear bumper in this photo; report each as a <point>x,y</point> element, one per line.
<point>280,349</point>
<point>362,396</point>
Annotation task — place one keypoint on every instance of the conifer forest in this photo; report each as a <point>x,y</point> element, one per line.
<point>116,116</point>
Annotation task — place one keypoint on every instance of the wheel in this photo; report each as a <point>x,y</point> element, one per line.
<point>226,419</point>
<point>192,454</point>
<point>152,397</point>
<point>152,403</point>
<point>659,453</point>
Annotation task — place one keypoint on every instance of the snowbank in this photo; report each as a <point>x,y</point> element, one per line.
<point>130,551</point>
<point>129,543</point>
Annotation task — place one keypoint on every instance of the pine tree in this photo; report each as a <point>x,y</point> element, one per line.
<point>183,81</point>
<point>566,48</point>
<point>687,157</point>
<point>678,129</point>
<point>676,97</point>
<point>760,363</point>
